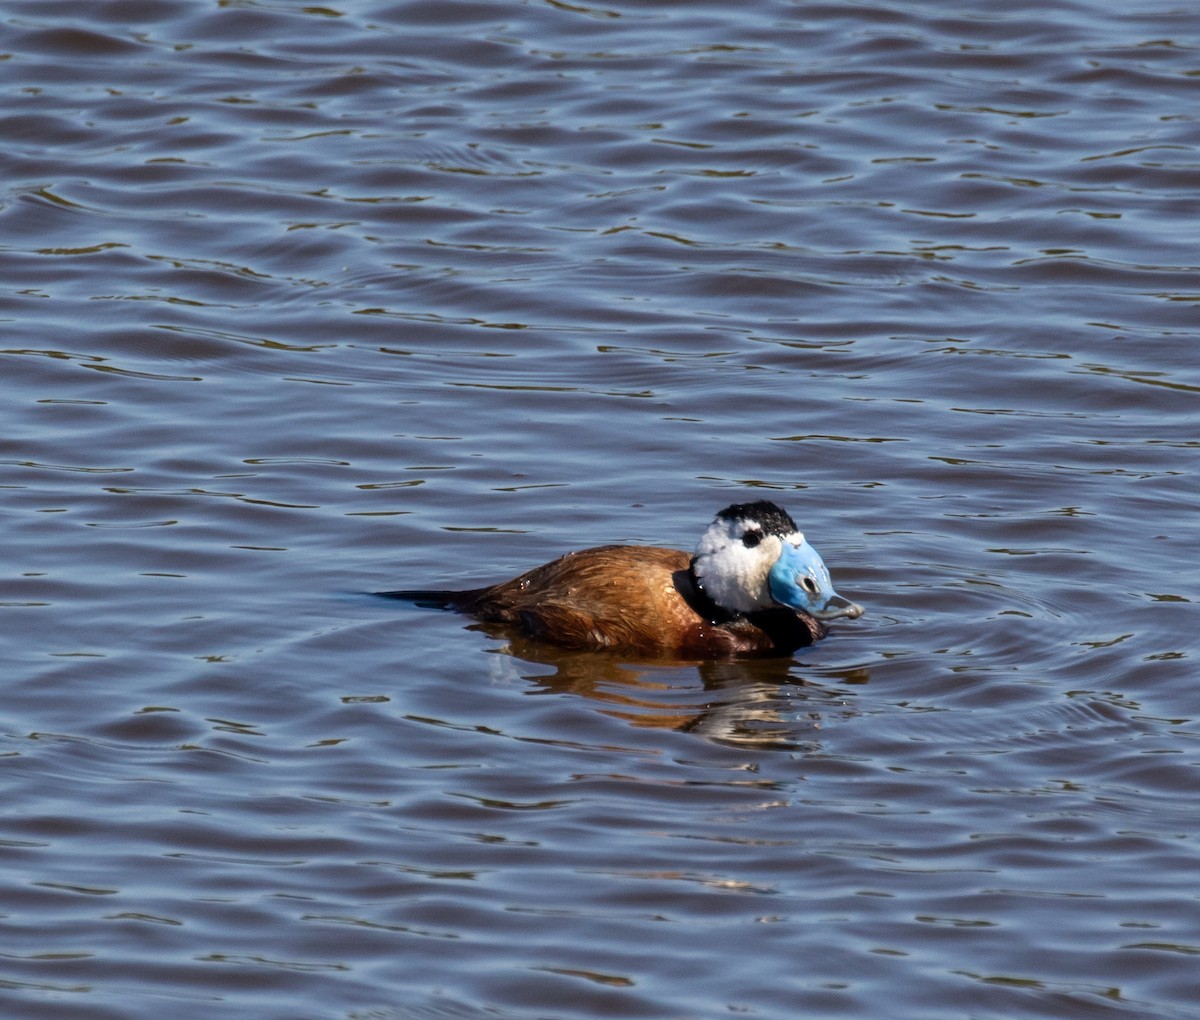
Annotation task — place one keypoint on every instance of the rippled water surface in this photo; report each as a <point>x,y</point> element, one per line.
<point>298,302</point>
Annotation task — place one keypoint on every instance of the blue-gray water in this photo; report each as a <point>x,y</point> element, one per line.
<point>300,302</point>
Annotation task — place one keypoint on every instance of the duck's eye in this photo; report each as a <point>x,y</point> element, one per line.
<point>751,539</point>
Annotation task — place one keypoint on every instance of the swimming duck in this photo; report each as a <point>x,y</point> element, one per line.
<point>754,586</point>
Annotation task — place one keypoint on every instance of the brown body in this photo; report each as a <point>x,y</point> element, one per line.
<point>636,599</point>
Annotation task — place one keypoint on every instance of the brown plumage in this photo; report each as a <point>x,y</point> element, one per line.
<point>753,587</point>
<point>637,599</point>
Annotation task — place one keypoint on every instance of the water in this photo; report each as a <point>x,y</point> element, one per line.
<point>300,302</point>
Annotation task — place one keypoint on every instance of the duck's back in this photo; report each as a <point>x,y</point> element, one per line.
<point>605,597</point>
<point>638,598</point>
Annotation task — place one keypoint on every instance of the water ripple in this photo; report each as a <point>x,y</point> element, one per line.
<point>303,302</point>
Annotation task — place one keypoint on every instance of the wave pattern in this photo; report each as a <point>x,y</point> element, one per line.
<point>305,300</point>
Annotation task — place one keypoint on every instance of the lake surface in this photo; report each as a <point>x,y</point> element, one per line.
<point>302,302</point>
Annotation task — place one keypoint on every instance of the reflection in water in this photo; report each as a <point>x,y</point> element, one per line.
<point>344,293</point>
<point>763,703</point>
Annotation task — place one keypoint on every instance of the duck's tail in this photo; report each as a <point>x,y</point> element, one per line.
<point>431,598</point>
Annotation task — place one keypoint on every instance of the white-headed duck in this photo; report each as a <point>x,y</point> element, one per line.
<point>753,587</point>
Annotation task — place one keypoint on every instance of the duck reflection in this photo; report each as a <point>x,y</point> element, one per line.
<point>765,703</point>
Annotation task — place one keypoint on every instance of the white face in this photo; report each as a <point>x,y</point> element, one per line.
<point>744,568</point>
<point>734,560</point>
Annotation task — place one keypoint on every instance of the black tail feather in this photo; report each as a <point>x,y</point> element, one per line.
<point>430,598</point>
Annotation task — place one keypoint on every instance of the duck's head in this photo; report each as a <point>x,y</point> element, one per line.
<point>753,557</point>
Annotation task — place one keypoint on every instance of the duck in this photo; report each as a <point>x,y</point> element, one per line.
<point>753,587</point>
